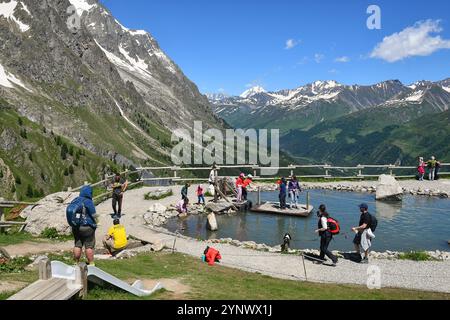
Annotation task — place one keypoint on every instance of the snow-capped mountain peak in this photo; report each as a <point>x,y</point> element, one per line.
<point>252,91</point>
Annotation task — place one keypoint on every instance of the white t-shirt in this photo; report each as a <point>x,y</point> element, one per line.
<point>324,222</point>
<point>212,176</point>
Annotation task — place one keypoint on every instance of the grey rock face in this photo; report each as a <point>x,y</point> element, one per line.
<point>50,213</point>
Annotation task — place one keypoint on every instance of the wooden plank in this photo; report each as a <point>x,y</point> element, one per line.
<point>273,208</point>
<point>53,289</point>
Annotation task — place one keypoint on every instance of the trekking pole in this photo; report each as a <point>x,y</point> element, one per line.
<point>304,267</point>
<point>174,242</point>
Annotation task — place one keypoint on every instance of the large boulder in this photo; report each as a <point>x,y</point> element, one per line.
<point>219,206</point>
<point>49,213</point>
<point>389,189</point>
<point>212,222</point>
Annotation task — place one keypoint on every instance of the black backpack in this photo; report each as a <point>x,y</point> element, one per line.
<point>373,222</point>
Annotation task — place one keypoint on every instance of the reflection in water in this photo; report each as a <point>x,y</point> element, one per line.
<point>424,223</point>
<point>388,210</point>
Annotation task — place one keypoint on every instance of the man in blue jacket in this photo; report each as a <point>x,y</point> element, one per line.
<point>84,233</point>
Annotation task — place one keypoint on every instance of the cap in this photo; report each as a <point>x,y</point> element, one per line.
<point>364,206</point>
<point>250,176</point>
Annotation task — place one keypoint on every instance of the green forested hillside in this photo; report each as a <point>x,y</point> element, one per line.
<point>372,138</point>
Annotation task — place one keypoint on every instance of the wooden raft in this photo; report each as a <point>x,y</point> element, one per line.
<point>274,208</point>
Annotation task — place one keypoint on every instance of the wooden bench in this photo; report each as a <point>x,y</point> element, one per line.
<point>50,288</point>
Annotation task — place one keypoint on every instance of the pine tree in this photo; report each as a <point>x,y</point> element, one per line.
<point>13,189</point>
<point>64,151</point>
<point>1,174</point>
<point>30,192</point>
<point>30,156</point>
<point>20,121</point>
<point>23,133</point>
<point>71,170</point>
<point>18,180</point>
<point>66,172</point>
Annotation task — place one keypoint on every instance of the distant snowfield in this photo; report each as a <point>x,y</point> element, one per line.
<point>7,11</point>
<point>8,80</point>
<point>81,6</point>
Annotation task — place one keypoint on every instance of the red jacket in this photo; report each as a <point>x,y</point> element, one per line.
<point>212,255</point>
<point>239,182</point>
<point>421,169</point>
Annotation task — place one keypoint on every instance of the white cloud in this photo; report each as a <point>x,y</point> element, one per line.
<point>412,41</point>
<point>333,71</point>
<point>318,57</point>
<point>291,43</point>
<point>343,59</point>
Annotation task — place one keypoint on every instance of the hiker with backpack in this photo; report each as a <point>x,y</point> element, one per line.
<point>364,233</point>
<point>119,186</point>
<point>327,227</point>
<point>80,214</point>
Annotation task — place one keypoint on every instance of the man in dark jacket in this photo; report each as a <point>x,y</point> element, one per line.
<point>84,234</point>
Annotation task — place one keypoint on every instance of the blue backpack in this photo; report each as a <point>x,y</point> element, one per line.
<point>76,213</point>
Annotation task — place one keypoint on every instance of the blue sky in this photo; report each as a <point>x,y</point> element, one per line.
<point>233,44</point>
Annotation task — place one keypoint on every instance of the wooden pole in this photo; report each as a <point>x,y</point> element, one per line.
<point>216,196</point>
<point>81,279</point>
<point>259,196</point>
<point>2,219</point>
<point>45,270</point>
<point>307,201</point>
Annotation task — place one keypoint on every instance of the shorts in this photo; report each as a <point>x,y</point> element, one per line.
<point>84,237</point>
<point>357,239</point>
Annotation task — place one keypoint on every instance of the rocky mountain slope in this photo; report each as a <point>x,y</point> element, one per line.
<point>315,103</point>
<point>107,90</point>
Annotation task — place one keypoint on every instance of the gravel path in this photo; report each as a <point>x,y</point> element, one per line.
<point>428,276</point>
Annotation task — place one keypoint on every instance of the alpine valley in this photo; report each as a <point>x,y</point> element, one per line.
<point>328,122</point>
<point>74,101</point>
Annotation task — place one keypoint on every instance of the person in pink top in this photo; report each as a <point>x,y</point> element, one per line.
<point>200,195</point>
<point>421,169</point>
<point>182,206</point>
<point>239,186</point>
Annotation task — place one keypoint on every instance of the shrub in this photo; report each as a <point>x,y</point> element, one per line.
<point>30,192</point>
<point>163,195</point>
<point>50,233</point>
<point>15,265</point>
<point>415,256</point>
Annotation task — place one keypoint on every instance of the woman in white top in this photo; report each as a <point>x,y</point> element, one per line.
<point>325,235</point>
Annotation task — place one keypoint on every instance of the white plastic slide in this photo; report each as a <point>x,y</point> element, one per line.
<point>98,276</point>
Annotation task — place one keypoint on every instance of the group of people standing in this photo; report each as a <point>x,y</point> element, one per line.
<point>242,183</point>
<point>328,227</point>
<point>291,188</point>
<point>433,166</point>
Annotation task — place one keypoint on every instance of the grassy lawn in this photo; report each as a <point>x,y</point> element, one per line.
<point>221,283</point>
<point>15,238</point>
